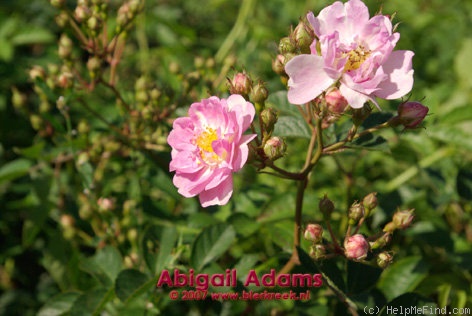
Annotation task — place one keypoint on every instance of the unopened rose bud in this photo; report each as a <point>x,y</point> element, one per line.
<point>259,93</point>
<point>286,46</point>
<point>381,241</point>
<point>403,219</point>
<point>411,114</point>
<point>62,19</point>
<point>317,251</point>
<point>278,65</point>
<point>356,247</point>
<point>81,13</point>
<point>65,46</point>
<point>313,233</point>
<point>303,36</point>
<point>93,64</point>
<point>370,202</point>
<point>18,99</point>
<point>105,204</point>
<point>275,148</point>
<point>93,23</point>
<point>269,117</point>
<point>356,212</point>
<point>37,72</point>
<point>384,259</point>
<point>326,206</point>
<point>335,102</point>
<point>67,220</point>
<point>240,84</point>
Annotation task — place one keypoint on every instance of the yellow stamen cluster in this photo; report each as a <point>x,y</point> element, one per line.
<point>204,141</point>
<point>355,58</point>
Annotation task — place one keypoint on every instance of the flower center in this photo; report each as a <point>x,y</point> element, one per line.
<point>355,58</point>
<point>204,141</point>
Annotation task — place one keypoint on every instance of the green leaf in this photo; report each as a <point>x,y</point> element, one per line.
<point>410,301</point>
<point>59,304</point>
<point>370,142</point>
<point>243,224</point>
<point>457,115</point>
<point>464,183</point>
<point>14,169</point>
<point>91,303</point>
<point>6,50</point>
<point>167,242</point>
<point>32,36</point>
<point>290,126</point>
<point>279,101</point>
<point>157,245</point>
<point>462,63</point>
<point>86,171</point>
<point>130,283</point>
<point>211,243</point>
<point>105,265</point>
<point>403,276</point>
<point>361,277</point>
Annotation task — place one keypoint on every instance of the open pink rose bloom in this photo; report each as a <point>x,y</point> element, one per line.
<point>354,50</point>
<point>208,146</point>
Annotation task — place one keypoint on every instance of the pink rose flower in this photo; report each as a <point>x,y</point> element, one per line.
<point>208,146</point>
<point>355,51</point>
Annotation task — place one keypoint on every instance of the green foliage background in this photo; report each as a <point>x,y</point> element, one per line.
<point>108,262</point>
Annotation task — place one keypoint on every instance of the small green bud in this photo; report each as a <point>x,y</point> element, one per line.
<point>36,121</point>
<point>303,36</point>
<point>93,23</point>
<point>286,46</point>
<point>317,251</point>
<point>384,259</point>
<point>356,212</point>
<point>65,46</point>
<point>269,117</point>
<point>93,64</point>
<point>403,219</point>
<point>18,99</point>
<point>57,3</point>
<point>370,202</point>
<point>275,148</point>
<point>278,65</point>
<point>326,206</point>
<point>37,72</point>
<point>259,93</point>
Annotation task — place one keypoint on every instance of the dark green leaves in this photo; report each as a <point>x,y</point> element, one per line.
<point>211,243</point>
<point>403,276</point>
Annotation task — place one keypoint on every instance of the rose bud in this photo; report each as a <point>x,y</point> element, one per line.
<point>326,206</point>
<point>403,219</point>
<point>384,259</point>
<point>356,247</point>
<point>313,233</point>
<point>356,212</point>
<point>275,148</point>
<point>411,114</point>
<point>335,102</point>
<point>240,84</point>
<point>317,251</point>
<point>269,117</point>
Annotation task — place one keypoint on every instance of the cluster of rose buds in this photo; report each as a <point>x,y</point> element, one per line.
<point>269,147</point>
<point>355,245</point>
